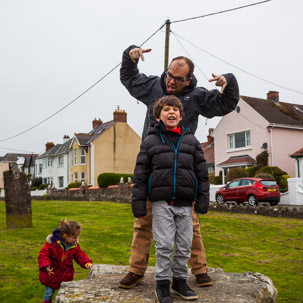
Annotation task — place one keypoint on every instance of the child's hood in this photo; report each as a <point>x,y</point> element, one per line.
<point>54,236</point>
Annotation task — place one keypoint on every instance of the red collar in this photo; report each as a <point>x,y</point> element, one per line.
<point>176,130</point>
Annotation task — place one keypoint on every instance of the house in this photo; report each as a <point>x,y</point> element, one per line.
<point>209,151</point>
<point>53,164</point>
<point>109,147</point>
<point>257,125</point>
<point>298,156</point>
<point>25,162</point>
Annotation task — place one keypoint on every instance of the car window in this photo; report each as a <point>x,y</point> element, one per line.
<point>268,182</point>
<point>247,182</point>
<point>234,183</point>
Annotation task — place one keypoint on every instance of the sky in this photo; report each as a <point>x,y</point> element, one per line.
<point>59,59</point>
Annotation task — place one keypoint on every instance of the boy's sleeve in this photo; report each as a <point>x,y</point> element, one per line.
<point>202,199</point>
<point>80,257</point>
<point>140,189</point>
<point>44,257</point>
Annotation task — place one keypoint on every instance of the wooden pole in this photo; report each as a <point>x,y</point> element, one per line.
<point>167,44</point>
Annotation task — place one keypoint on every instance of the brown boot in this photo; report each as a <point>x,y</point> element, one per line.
<point>130,280</point>
<point>203,280</point>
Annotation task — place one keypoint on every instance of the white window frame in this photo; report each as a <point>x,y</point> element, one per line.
<point>61,161</point>
<point>75,176</point>
<point>59,181</point>
<point>82,156</point>
<point>76,156</point>
<point>232,142</point>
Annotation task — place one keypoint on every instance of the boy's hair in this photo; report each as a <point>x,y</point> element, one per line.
<point>170,100</point>
<point>71,228</point>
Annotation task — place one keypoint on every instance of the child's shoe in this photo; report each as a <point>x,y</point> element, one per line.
<point>180,288</point>
<point>47,301</point>
<point>163,292</point>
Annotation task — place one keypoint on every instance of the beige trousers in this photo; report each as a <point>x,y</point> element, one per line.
<point>142,241</point>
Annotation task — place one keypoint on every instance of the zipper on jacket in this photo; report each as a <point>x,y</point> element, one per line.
<point>196,190</point>
<point>149,182</point>
<point>175,160</point>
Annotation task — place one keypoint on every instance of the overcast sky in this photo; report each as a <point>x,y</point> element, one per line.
<point>53,51</point>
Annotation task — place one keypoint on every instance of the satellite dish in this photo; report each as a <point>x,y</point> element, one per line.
<point>238,109</point>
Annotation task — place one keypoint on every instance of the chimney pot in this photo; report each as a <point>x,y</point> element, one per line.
<point>97,122</point>
<point>49,145</point>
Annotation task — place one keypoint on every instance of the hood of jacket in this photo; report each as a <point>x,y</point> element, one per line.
<point>186,90</point>
<point>157,127</point>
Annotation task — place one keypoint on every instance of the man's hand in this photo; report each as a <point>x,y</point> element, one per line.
<point>220,81</point>
<point>137,53</point>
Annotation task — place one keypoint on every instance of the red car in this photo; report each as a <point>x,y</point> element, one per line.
<point>253,190</point>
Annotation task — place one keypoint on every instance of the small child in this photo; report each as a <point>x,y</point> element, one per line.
<point>171,171</point>
<point>56,257</point>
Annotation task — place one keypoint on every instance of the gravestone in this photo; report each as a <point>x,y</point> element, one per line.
<point>17,198</point>
<point>103,280</point>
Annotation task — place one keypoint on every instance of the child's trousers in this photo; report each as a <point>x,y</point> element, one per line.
<point>172,231</point>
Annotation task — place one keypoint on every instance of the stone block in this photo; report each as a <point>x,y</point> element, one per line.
<point>103,280</point>
<point>18,203</point>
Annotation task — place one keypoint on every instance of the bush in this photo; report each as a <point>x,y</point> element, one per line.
<point>42,186</point>
<point>265,176</point>
<point>284,184</point>
<point>74,185</point>
<point>275,171</point>
<point>235,173</point>
<point>34,188</point>
<point>211,178</point>
<point>107,179</point>
<point>262,159</point>
<point>36,182</point>
<point>251,171</point>
<point>218,180</point>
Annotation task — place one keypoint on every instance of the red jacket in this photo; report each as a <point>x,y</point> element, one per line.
<point>53,254</point>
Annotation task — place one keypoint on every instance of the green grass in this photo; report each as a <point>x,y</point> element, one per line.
<point>234,242</point>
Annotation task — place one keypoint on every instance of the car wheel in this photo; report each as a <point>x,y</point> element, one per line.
<point>219,199</point>
<point>252,200</point>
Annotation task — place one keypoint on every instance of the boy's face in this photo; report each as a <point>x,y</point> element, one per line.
<point>170,116</point>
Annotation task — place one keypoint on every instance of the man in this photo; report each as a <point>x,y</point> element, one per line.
<point>180,81</point>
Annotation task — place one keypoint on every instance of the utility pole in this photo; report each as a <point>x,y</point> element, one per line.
<point>167,32</point>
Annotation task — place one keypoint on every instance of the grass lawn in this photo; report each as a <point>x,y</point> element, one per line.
<point>234,242</point>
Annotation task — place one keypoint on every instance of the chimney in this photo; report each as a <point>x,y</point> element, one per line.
<point>120,115</point>
<point>273,96</point>
<point>65,138</point>
<point>97,122</point>
<point>49,145</point>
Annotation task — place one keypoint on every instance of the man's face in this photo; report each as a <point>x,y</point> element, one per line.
<point>175,77</point>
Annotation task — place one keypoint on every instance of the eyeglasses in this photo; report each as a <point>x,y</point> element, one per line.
<point>178,80</point>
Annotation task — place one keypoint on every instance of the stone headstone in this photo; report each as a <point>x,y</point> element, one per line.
<point>103,280</point>
<point>18,202</point>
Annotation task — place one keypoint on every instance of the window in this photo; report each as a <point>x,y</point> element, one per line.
<point>75,177</point>
<point>61,181</point>
<point>75,156</point>
<point>239,140</point>
<point>82,156</point>
<point>234,183</point>
<point>82,177</point>
<point>61,161</point>
<point>49,162</point>
<point>40,168</point>
<point>44,163</point>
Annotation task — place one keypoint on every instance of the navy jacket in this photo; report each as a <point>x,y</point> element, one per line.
<point>165,171</point>
<point>196,100</point>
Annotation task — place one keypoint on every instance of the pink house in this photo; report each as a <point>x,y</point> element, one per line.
<point>257,125</point>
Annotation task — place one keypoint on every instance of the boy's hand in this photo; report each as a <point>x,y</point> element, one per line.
<point>88,265</point>
<point>49,270</point>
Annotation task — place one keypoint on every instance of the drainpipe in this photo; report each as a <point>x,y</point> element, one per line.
<point>298,162</point>
<point>271,147</point>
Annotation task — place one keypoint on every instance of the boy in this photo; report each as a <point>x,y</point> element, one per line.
<point>171,171</point>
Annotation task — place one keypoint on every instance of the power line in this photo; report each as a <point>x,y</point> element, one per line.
<point>220,12</point>
<point>25,151</point>
<point>68,104</point>
<point>241,69</point>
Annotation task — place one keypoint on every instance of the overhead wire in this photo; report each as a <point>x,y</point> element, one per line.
<point>79,96</point>
<point>241,69</point>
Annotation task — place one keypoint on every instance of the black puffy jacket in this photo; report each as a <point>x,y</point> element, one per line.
<point>196,100</point>
<point>167,172</point>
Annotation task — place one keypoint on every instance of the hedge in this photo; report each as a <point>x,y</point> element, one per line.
<point>107,179</point>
